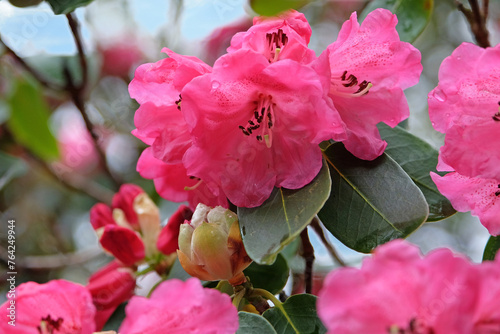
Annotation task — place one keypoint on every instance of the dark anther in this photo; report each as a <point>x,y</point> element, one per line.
<point>351,81</point>
<point>496,117</point>
<point>343,77</point>
<point>249,130</point>
<point>497,193</point>
<point>254,127</point>
<point>259,138</point>
<point>270,120</point>
<point>251,122</point>
<point>178,102</point>
<point>245,132</point>
<point>256,114</point>
<point>362,86</point>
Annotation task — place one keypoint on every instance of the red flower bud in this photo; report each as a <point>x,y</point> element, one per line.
<point>125,244</point>
<point>168,240</point>
<point>101,215</point>
<point>124,200</point>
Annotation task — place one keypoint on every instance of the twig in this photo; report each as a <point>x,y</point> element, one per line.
<point>53,261</point>
<point>477,20</point>
<point>308,255</point>
<point>29,69</point>
<point>329,247</point>
<point>77,93</point>
<point>77,184</point>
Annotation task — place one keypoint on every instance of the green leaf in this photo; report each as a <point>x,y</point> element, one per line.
<point>271,8</point>
<point>10,168</point>
<point>280,219</point>
<point>269,277</point>
<point>66,6</point>
<point>301,316</point>
<point>116,319</point>
<point>28,122</point>
<point>372,202</point>
<point>251,323</point>
<point>413,15</point>
<point>491,248</point>
<point>417,158</point>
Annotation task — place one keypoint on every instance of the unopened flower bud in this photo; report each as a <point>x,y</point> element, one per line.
<point>168,240</point>
<point>210,247</point>
<point>124,200</point>
<point>148,218</point>
<point>125,244</point>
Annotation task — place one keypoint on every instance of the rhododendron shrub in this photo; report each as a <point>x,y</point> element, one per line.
<point>289,129</point>
<point>399,291</point>
<point>466,107</point>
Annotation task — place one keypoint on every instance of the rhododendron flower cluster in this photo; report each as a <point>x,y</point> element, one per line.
<point>399,291</point>
<point>58,306</point>
<point>465,106</point>
<point>181,308</point>
<point>254,121</point>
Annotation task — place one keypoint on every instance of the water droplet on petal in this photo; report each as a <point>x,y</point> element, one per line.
<point>439,95</point>
<point>215,84</point>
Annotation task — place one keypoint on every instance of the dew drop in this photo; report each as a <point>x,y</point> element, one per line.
<point>215,84</point>
<point>439,95</point>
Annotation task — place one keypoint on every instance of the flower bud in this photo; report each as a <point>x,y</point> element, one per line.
<point>125,244</point>
<point>124,200</point>
<point>168,240</point>
<point>148,218</point>
<point>210,247</point>
<point>101,215</point>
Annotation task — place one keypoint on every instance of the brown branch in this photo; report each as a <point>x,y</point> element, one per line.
<point>308,255</point>
<point>77,94</point>
<point>315,224</point>
<point>77,183</point>
<point>477,20</point>
<point>44,82</point>
<point>52,261</point>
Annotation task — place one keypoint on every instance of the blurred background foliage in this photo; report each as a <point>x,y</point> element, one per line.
<point>52,170</point>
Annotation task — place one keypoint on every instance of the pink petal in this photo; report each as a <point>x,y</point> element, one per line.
<point>181,308</point>
<point>160,83</point>
<point>58,299</point>
<point>124,243</point>
<point>168,240</point>
<point>473,194</point>
<point>101,215</point>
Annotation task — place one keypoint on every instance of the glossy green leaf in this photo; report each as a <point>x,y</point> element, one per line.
<point>413,15</point>
<point>280,219</point>
<point>301,316</point>
<point>66,6</point>
<point>269,277</point>
<point>116,319</point>
<point>372,202</point>
<point>251,323</point>
<point>270,8</point>
<point>28,122</point>
<point>491,248</point>
<point>10,168</point>
<point>417,158</point>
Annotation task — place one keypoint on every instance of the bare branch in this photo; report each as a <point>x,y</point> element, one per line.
<point>315,224</point>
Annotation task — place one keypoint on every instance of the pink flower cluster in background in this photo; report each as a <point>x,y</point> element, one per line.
<point>399,291</point>
<point>254,121</point>
<point>466,107</point>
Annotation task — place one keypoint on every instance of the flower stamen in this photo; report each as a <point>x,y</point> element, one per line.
<point>263,118</point>
<point>276,41</point>
<point>349,81</point>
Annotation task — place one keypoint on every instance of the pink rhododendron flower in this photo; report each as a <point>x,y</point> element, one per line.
<point>277,38</point>
<point>465,106</point>
<point>56,307</point>
<point>481,196</point>
<point>75,144</point>
<point>110,286</point>
<point>399,291</point>
<point>370,67</point>
<point>119,56</point>
<point>178,307</point>
<point>157,87</point>
<point>174,184</point>
<point>257,125</point>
